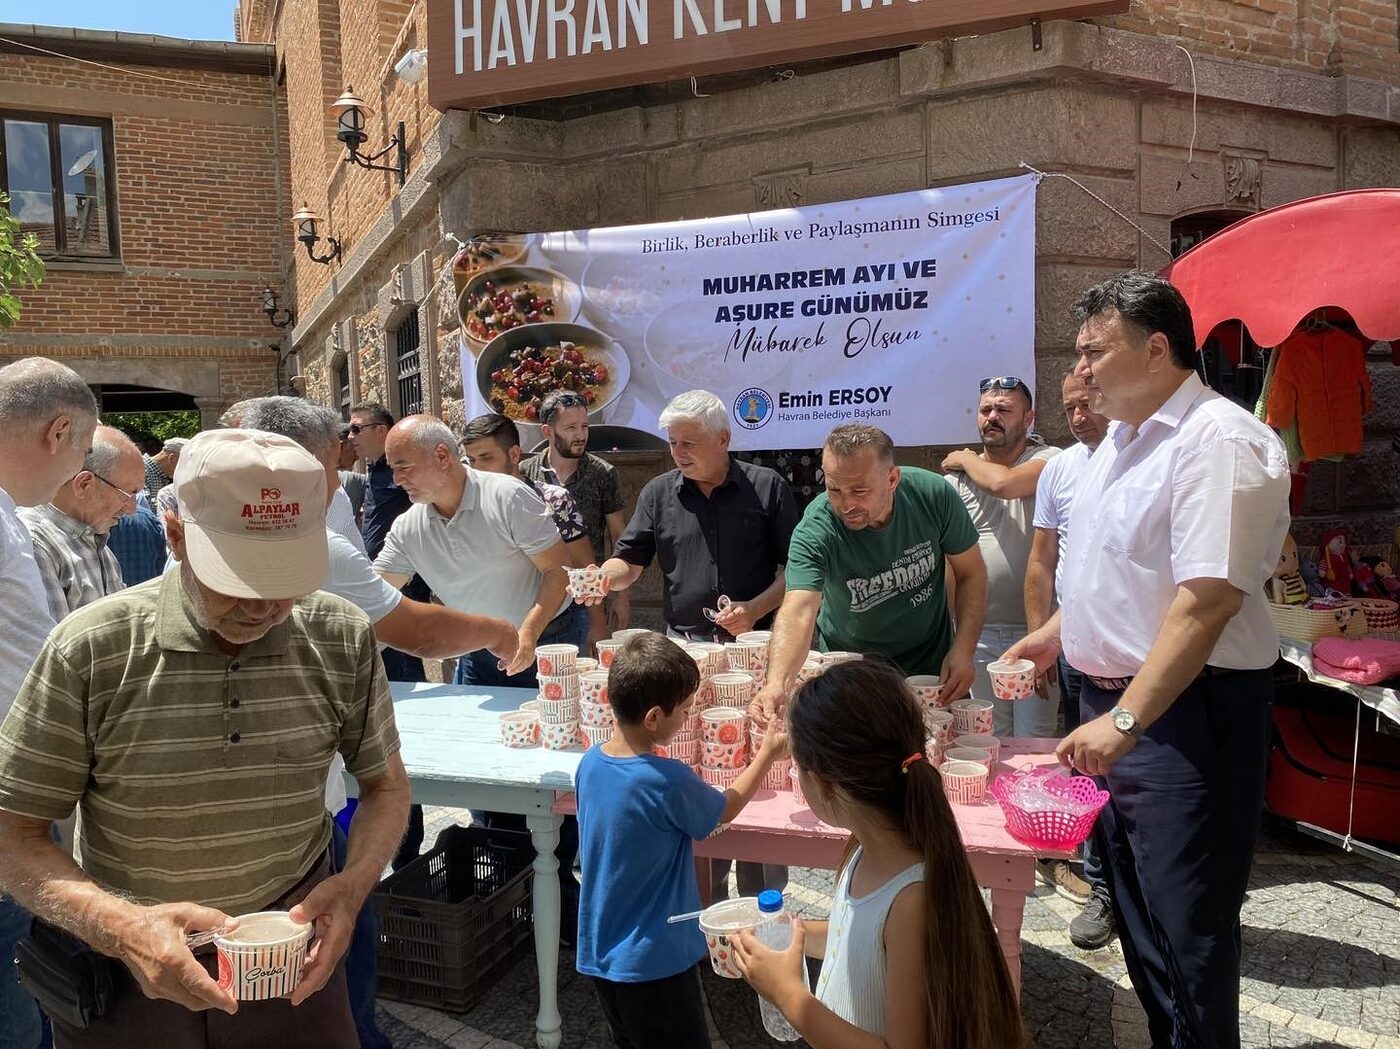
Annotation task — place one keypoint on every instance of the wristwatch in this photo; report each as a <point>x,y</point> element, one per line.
<point>1126,722</point>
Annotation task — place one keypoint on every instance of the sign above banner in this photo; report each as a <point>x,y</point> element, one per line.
<point>486,53</point>
<point>887,310</point>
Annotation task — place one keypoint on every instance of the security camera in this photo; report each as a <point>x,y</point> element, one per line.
<point>413,66</point>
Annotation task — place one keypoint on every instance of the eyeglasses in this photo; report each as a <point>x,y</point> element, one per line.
<point>1006,382</point>
<point>358,427</point>
<point>117,488</point>
<point>561,399</point>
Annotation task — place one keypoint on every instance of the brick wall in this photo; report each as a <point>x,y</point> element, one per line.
<point>197,158</point>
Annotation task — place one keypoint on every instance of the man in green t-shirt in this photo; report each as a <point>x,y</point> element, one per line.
<point>865,570</point>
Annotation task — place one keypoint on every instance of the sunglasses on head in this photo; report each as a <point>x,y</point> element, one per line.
<point>1005,382</point>
<point>555,401</point>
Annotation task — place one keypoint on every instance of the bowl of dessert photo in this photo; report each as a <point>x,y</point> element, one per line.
<point>520,367</point>
<point>505,298</point>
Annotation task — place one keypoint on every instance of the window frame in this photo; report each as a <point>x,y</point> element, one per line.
<point>53,121</point>
<point>415,377</point>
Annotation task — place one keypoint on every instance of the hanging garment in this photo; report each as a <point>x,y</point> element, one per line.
<point>1322,383</point>
<point>1289,434</point>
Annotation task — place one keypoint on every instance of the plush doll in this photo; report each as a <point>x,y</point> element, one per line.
<point>1286,587</point>
<point>1311,579</point>
<point>1334,561</point>
<point>1386,583</point>
<point>1363,578</point>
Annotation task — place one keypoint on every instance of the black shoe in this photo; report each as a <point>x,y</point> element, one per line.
<point>1092,928</point>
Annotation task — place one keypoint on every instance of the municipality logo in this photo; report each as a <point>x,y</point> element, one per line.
<point>753,408</point>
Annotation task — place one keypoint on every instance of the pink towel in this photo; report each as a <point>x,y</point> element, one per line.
<point>1365,662</point>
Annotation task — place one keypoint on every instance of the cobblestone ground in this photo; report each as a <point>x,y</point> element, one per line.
<point>1321,968</point>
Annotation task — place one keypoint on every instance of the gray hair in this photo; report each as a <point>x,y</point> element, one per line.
<point>315,428</point>
<point>233,414</point>
<point>174,444</point>
<point>428,432</point>
<point>108,446</point>
<point>696,406</point>
<point>34,391</point>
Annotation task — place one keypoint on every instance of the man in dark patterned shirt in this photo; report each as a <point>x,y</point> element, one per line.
<point>594,484</point>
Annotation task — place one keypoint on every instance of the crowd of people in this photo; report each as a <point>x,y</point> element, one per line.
<point>197,639</point>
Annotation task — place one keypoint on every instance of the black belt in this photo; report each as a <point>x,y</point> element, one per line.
<point>1120,684</point>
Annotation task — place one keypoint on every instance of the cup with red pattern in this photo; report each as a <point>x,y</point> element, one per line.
<point>746,656</point>
<point>723,725</point>
<point>972,716</point>
<point>964,782</point>
<point>686,750</point>
<point>559,711</point>
<point>557,660</point>
<point>595,715</point>
<point>733,689</point>
<point>723,755</point>
<point>518,729</point>
<point>709,656</point>
<point>941,726</point>
<point>263,957</point>
<point>593,687</point>
<point>587,582</point>
<point>927,689</point>
<point>583,664</point>
<point>559,737</point>
<point>720,777</point>
<point>1012,679</point>
<point>560,687</point>
<point>595,735</point>
<point>965,754</point>
<point>779,775</point>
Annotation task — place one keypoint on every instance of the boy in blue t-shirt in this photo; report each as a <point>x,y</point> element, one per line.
<point>637,816</point>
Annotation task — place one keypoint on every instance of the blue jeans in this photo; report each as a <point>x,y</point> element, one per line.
<point>570,627</point>
<point>1033,717</point>
<point>360,959</point>
<point>1071,681</point>
<point>21,1025</point>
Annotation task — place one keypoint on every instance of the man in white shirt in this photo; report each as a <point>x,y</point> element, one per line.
<point>47,416</point>
<point>1054,495</point>
<point>1164,614</point>
<point>997,486</point>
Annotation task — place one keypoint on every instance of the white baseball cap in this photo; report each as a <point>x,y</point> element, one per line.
<point>253,507</point>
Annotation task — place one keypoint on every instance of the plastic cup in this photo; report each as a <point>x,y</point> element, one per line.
<point>720,924</point>
<point>965,782</point>
<point>979,741</point>
<point>596,735</point>
<point>940,725</point>
<point>926,688</point>
<point>745,656</point>
<point>733,689</point>
<point>531,706</point>
<point>555,688</point>
<point>559,711</point>
<point>810,669</point>
<point>972,716</point>
<point>606,650</point>
<point>557,660</point>
<point>722,725</point>
<point>593,686</point>
<point>584,664</point>
<point>595,715</point>
<point>797,794</point>
<point>720,777</point>
<point>714,660</point>
<point>686,750</point>
<point>723,755</point>
<point>263,957</point>
<point>1012,680</point>
<point>518,729</point>
<point>757,637</point>
<point>830,659</point>
<point>779,775</point>
<point>587,582</point>
<point>631,631</point>
<point>975,754</point>
<point>559,737</point>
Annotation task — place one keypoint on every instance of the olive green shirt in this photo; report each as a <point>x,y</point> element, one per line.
<point>199,776</point>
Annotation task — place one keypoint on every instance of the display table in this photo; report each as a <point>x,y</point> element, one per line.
<point>1385,701</point>
<point>452,750</point>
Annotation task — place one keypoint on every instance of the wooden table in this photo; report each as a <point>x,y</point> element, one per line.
<point>452,750</point>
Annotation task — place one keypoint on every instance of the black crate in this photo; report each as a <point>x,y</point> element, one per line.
<point>455,919</point>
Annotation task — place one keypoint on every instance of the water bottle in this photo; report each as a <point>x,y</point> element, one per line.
<point>775,931</point>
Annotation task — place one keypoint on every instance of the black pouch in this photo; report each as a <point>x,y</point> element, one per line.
<point>70,981</point>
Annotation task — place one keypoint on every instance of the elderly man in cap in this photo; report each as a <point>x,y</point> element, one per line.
<point>70,530</point>
<point>160,468</point>
<point>192,721</point>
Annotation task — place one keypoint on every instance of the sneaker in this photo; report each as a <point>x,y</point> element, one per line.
<point>1093,927</point>
<point>1060,875</point>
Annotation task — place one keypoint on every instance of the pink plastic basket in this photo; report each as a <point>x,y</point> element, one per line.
<point>1047,828</point>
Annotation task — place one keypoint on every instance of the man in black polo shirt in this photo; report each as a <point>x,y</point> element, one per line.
<point>718,527</point>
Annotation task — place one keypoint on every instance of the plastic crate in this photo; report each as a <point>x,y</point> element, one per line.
<point>455,919</point>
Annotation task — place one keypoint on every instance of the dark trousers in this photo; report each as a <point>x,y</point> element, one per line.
<point>1177,840</point>
<point>361,959</point>
<point>667,1013</point>
<point>1071,681</point>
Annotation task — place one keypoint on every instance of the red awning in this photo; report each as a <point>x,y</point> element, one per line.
<point>1274,268</point>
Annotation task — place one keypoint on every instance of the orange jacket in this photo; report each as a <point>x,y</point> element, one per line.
<point>1322,383</point>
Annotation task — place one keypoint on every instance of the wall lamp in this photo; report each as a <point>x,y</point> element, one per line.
<point>350,111</point>
<point>305,221</point>
<point>269,306</point>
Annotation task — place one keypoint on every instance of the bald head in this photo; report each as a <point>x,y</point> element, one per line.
<point>47,414</point>
<point>424,456</point>
<point>105,489</point>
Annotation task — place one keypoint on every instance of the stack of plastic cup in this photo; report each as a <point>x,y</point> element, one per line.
<point>965,782</point>
<point>607,648</point>
<point>962,755</point>
<point>940,727</point>
<point>758,637</point>
<point>972,716</point>
<point>723,745</point>
<point>980,741</point>
<point>778,775</point>
<point>748,657</point>
<point>830,659</point>
<point>927,689</point>
<point>559,695</point>
<point>595,713</point>
<point>711,660</point>
<point>733,689</point>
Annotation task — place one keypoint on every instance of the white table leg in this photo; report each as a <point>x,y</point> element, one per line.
<point>544,832</point>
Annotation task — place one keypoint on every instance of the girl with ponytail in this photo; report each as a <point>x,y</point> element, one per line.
<point>910,955</point>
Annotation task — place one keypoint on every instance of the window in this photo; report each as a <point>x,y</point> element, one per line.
<point>342,386</point>
<point>58,173</point>
<point>408,367</point>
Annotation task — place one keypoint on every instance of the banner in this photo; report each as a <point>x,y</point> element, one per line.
<point>886,310</point>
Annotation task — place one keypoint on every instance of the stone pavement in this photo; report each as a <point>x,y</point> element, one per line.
<point>1321,968</point>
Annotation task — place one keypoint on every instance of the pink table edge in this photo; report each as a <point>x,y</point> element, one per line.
<point>773,828</point>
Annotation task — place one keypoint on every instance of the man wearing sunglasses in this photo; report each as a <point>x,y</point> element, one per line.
<point>70,531</point>
<point>997,485</point>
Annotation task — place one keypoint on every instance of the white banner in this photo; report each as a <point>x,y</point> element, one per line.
<point>886,310</point>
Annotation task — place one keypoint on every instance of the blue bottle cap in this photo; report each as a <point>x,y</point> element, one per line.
<point>770,901</point>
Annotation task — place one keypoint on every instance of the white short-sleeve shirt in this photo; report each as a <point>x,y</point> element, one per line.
<point>478,560</point>
<point>1054,496</point>
<point>1198,491</point>
<point>352,577</point>
<point>340,518</point>
<point>24,614</point>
